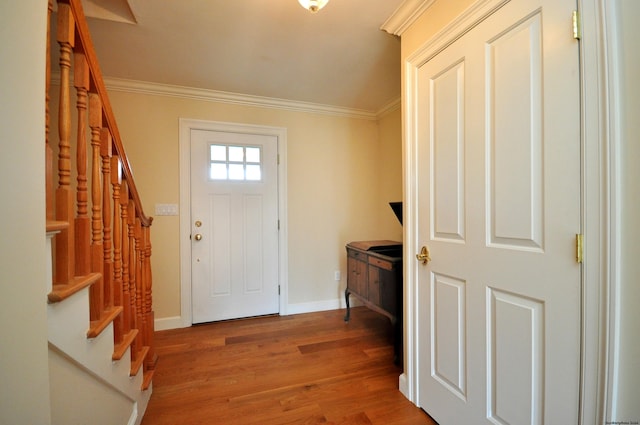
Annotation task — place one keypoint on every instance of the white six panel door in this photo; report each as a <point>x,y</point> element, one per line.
<point>498,118</point>
<point>234,214</point>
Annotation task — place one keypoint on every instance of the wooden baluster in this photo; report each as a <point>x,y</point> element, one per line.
<point>133,272</point>
<point>48,150</point>
<point>151,359</point>
<point>82,223</point>
<point>139,283</point>
<point>96,293</point>
<point>105,152</point>
<point>64,269</point>
<point>126,295</point>
<point>116,182</point>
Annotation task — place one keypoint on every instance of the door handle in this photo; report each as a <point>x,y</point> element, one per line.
<point>424,255</point>
<point>198,237</point>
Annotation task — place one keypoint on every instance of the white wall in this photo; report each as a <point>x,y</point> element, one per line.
<point>626,57</point>
<point>80,397</point>
<point>24,375</point>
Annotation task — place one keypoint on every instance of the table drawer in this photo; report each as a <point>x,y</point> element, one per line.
<point>379,262</point>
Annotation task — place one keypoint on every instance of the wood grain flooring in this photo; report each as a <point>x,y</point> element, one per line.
<point>301,369</point>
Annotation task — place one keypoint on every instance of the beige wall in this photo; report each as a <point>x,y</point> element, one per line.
<point>390,163</point>
<point>342,172</point>
<point>24,377</point>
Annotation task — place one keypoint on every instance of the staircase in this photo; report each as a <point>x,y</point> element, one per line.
<point>100,313</point>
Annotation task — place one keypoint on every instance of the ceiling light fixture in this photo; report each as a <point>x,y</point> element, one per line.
<point>313,5</point>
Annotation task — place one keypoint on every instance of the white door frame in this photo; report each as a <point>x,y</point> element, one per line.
<point>186,125</point>
<point>599,224</point>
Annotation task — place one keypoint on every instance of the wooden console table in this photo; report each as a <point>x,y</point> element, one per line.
<point>375,278</point>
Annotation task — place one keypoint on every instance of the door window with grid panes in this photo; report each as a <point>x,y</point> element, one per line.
<point>238,163</point>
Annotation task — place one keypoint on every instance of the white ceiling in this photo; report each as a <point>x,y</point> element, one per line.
<point>270,48</point>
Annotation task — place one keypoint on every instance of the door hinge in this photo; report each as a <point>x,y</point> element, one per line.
<point>278,224</point>
<point>278,289</point>
<point>278,159</point>
<point>579,247</point>
<point>576,25</point>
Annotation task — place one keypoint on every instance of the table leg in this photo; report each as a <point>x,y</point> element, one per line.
<point>346,298</point>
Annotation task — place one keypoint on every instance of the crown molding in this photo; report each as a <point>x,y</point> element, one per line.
<point>206,95</point>
<point>143,87</point>
<point>389,108</point>
<point>405,15</point>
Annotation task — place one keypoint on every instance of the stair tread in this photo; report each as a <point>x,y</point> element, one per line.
<point>147,379</point>
<point>56,225</point>
<point>62,291</point>
<point>137,362</point>
<point>126,342</point>
<point>106,317</point>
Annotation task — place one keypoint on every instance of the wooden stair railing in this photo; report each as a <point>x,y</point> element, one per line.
<point>109,250</point>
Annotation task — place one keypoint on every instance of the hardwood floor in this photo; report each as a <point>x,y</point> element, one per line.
<point>302,369</point>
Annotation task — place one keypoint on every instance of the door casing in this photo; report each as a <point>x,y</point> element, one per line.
<point>186,125</point>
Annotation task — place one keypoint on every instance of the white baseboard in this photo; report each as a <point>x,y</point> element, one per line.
<point>324,305</point>
<point>166,323</point>
<point>403,385</point>
<point>314,306</point>
<point>134,419</point>
<point>175,322</point>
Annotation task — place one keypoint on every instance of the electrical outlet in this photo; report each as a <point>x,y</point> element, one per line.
<point>336,275</point>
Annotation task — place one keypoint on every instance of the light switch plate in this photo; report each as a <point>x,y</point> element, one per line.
<point>166,209</point>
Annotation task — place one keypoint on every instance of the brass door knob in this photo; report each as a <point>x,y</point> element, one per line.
<point>424,255</point>
<point>198,237</point>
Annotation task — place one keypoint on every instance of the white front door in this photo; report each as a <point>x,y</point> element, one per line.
<point>234,225</point>
<point>498,196</point>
